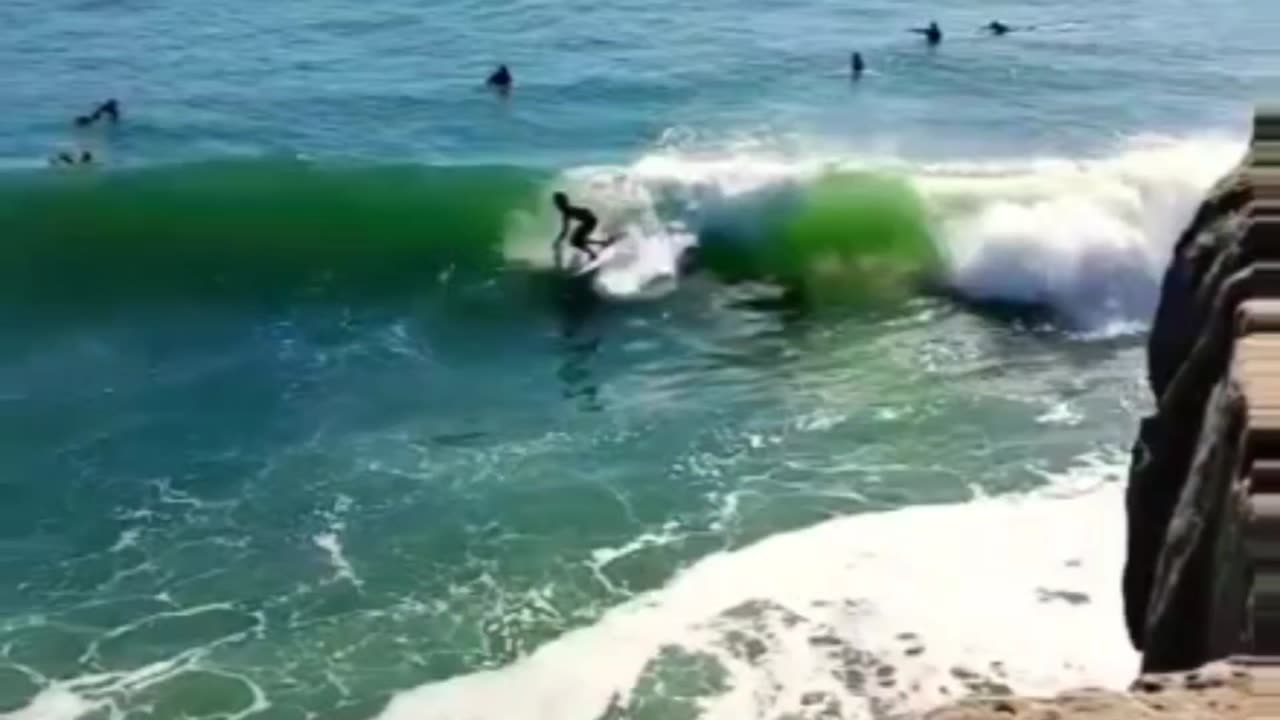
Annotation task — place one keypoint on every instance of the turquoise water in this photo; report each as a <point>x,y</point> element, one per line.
<point>298,421</point>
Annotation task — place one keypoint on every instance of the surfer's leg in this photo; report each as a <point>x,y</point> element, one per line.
<point>582,237</point>
<point>581,244</point>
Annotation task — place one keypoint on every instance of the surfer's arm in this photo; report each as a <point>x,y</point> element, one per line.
<point>564,227</point>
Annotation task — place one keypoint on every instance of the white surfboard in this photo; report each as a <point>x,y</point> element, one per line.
<point>583,264</point>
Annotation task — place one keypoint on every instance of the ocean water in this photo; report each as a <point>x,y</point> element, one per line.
<point>297,419</point>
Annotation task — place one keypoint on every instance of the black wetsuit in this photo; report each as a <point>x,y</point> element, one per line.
<point>587,222</point>
<point>933,33</point>
<point>109,109</point>
<point>501,79</point>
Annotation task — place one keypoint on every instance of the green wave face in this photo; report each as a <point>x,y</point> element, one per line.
<point>253,229</point>
<point>857,236</point>
<point>238,228</point>
<point>844,237</point>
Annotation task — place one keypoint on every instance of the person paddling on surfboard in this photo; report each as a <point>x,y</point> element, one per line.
<point>109,109</point>
<point>587,222</point>
<point>932,34</point>
<point>995,27</point>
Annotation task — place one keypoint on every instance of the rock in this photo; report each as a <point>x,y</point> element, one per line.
<point>1198,682</point>
<point>1147,685</point>
<point>1183,594</point>
<point>1220,702</point>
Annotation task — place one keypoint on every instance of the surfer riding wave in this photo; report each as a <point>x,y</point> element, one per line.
<point>586,224</point>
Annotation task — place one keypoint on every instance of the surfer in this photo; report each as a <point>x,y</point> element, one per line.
<point>933,33</point>
<point>586,220</point>
<point>109,109</point>
<point>856,65</point>
<point>997,28</point>
<point>66,158</point>
<point>501,80</point>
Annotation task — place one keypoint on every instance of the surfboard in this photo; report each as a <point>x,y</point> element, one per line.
<point>588,265</point>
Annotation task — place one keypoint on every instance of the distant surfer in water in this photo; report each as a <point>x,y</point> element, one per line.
<point>995,27</point>
<point>932,34</point>
<point>65,158</point>
<point>856,66</point>
<point>586,224</point>
<point>501,80</point>
<point>109,109</point>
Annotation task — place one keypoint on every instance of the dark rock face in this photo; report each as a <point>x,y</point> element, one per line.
<point>1189,278</point>
<point>1173,497</point>
<point>1184,587</point>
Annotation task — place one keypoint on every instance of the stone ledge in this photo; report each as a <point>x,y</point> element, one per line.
<point>1220,690</point>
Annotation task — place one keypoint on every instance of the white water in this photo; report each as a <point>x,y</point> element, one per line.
<point>99,695</point>
<point>1085,238</point>
<point>873,613</point>
<point>1089,239</point>
<point>865,615</point>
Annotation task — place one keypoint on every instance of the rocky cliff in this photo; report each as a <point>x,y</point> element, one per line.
<point>1207,461</point>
